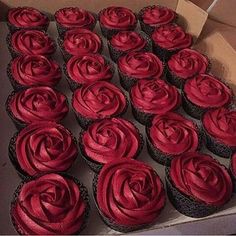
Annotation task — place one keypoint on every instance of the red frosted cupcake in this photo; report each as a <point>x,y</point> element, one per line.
<point>129,195</point>
<point>36,104</point>
<point>138,65</point>
<point>170,135</point>
<point>87,69</point>
<point>33,70</point>
<point>203,92</point>
<point>151,97</point>
<point>184,65</point>
<point>114,19</point>
<point>232,169</point>
<point>197,184</point>
<point>110,139</point>
<point>26,18</point>
<point>97,101</point>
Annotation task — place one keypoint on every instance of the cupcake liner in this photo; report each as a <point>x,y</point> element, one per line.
<point>233,177</point>
<point>125,81</point>
<point>84,195</point>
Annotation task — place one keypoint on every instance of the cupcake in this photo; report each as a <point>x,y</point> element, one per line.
<point>129,195</point>
<point>88,68</point>
<point>26,18</point>
<point>138,65</point>
<point>128,41</point>
<point>198,185</point>
<point>73,17</point>
<point>203,92</point>
<point>169,39</point>
<point>97,101</point>
<point>170,135</point>
<point>42,147</point>
<point>114,19</point>
<point>154,16</point>
<point>36,104</point>
<point>219,126</point>
<point>186,64</point>
<point>33,70</point>
<point>50,204</point>
<point>232,169</point>
<point>152,97</point>
<point>109,139</point>
<point>77,42</point>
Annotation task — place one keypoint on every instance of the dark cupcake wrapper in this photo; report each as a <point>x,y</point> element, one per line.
<point>83,191</point>
<point>233,177</point>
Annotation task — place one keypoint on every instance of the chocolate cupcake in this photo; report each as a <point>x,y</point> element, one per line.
<point>151,97</point>
<point>114,19</point>
<point>33,70</point>
<point>97,101</point>
<point>42,147</point>
<point>186,64</point>
<point>169,39</point>
<point>26,18</point>
<point>73,17</point>
<point>36,104</point>
<point>138,65</point>
<point>203,92</point>
<point>109,139</point>
<point>219,126</point>
<point>170,135</point>
<point>129,195</point>
<point>128,41</point>
<point>86,69</point>
<point>197,184</point>
<point>50,204</point>
<point>232,169</point>
<point>151,17</point>
<point>30,42</point>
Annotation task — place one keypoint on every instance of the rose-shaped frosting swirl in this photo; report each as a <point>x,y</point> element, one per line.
<point>88,68</point>
<point>221,124</point>
<point>233,164</point>
<point>188,63</point>
<point>78,42</point>
<point>27,17</point>
<point>99,100</point>
<point>45,147</point>
<point>120,18</point>
<point>128,41</point>
<point>154,96</point>
<point>172,133</point>
<point>201,177</point>
<point>207,91</point>
<point>130,192</point>
<point>38,104</point>
<point>111,139</point>
<point>50,204</point>
<point>33,70</point>
<point>74,17</point>
<point>140,65</point>
<point>171,37</point>
<point>32,42</point>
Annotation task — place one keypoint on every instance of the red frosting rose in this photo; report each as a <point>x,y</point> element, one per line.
<point>38,104</point>
<point>89,68</point>
<point>171,37</point>
<point>140,65</point>
<point>111,139</point>
<point>201,177</point>
<point>221,124</point>
<point>78,42</point>
<point>50,204</point>
<point>130,192</point>
<point>99,100</point>
<point>120,18</point>
<point>172,133</point>
<point>188,63</point>
<point>207,91</point>
<point>233,164</point>
<point>33,70</point>
<point>154,96</point>
<point>32,42</point>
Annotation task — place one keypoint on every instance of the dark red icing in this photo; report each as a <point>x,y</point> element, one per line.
<point>233,164</point>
